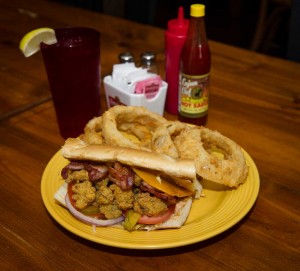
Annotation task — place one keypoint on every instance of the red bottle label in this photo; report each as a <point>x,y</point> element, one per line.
<point>193,95</point>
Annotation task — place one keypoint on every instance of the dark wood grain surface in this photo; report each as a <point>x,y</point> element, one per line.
<point>254,100</point>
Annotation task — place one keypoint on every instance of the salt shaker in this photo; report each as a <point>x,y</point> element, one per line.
<point>126,57</point>
<point>148,61</point>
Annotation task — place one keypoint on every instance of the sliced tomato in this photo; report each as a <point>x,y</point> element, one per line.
<point>70,194</point>
<point>151,220</point>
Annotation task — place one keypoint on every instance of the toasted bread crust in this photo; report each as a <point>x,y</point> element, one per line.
<point>77,149</point>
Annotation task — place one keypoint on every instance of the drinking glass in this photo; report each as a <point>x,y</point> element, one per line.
<point>73,70</point>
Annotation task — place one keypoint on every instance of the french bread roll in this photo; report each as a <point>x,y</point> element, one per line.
<point>76,149</point>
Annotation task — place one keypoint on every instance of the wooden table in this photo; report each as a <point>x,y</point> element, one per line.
<point>254,101</point>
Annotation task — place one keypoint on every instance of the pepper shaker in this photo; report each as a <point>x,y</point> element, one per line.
<point>148,61</point>
<point>126,57</point>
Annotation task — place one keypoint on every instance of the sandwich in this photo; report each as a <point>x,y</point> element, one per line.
<point>126,188</point>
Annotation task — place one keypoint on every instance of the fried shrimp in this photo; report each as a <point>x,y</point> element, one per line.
<point>84,193</point>
<point>146,204</point>
<point>123,198</point>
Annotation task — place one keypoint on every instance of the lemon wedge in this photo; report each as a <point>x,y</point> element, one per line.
<point>30,43</point>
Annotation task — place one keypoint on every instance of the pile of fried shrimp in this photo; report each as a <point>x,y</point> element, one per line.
<point>217,158</point>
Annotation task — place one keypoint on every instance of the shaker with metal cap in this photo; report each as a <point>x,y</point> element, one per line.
<point>126,57</point>
<point>148,61</point>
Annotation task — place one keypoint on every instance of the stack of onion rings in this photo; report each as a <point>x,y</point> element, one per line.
<point>217,158</point>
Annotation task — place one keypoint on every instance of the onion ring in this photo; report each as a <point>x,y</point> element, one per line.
<point>189,143</point>
<point>163,143</point>
<point>119,115</point>
<point>138,128</point>
<point>91,220</point>
<point>93,131</point>
<point>232,170</point>
<point>198,143</point>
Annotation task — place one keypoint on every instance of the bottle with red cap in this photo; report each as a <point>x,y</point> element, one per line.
<point>175,37</point>
<point>194,70</point>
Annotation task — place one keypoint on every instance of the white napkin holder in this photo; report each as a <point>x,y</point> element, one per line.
<point>116,95</point>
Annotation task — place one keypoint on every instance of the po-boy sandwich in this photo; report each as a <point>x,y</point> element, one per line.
<point>126,188</point>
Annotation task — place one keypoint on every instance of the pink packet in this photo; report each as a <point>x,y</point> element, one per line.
<point>149,86</point>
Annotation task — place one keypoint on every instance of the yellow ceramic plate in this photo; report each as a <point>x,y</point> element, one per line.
<point>219,210</point>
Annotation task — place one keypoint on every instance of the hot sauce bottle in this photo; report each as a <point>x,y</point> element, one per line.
<point>194,71</point>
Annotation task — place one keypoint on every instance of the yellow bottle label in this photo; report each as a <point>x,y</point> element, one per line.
<point>193,95</point>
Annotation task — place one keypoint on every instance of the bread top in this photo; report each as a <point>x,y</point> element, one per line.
<point>76,149</point>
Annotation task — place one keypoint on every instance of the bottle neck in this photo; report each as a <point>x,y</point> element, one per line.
<point>197,31</point>
<point>195,56</point>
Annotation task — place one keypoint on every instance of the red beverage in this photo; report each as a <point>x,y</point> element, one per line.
<point>73,69</point>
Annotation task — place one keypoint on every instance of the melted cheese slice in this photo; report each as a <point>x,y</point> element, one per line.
<point>165,186</point>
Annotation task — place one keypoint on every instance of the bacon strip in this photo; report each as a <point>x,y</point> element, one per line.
<point>96,172</point>
<point>170,200</point>
<point>122,176</point>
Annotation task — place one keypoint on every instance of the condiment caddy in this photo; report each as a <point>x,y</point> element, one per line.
<point>131,85</point>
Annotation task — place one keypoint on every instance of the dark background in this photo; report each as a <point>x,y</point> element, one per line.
<point>234,22</point>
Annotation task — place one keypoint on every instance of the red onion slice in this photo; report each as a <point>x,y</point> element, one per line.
<point>90,220</point>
